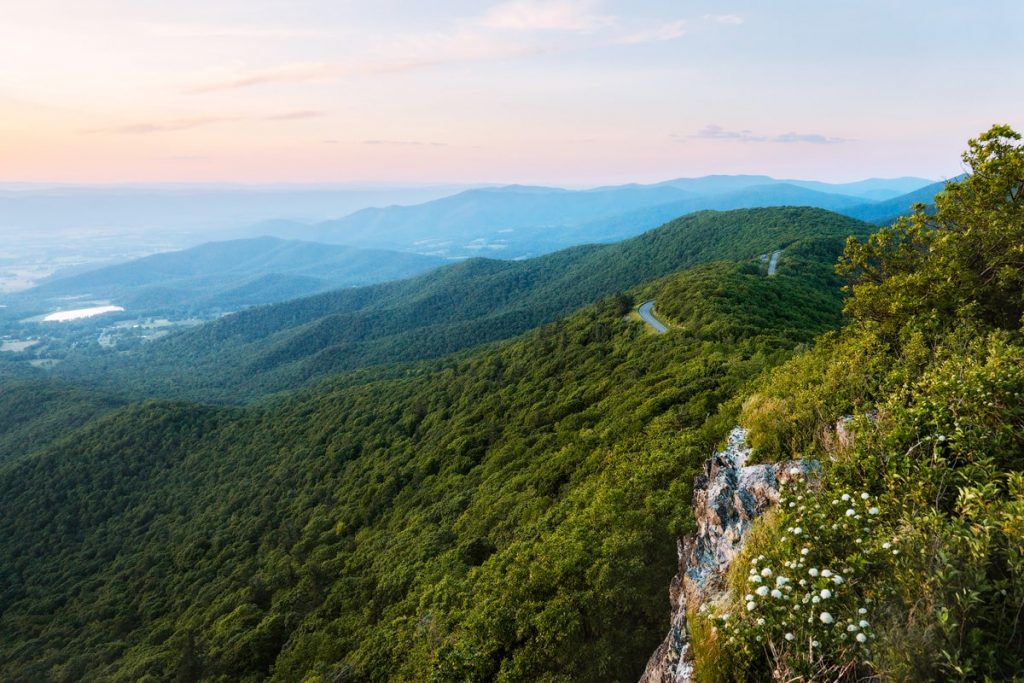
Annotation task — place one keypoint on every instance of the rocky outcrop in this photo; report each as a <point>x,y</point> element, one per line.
<point>727,497</point>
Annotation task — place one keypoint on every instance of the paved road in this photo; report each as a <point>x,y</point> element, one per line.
<point>774,262</point>
<point>647,314</point>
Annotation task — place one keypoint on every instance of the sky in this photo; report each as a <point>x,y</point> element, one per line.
<point>564,92</point>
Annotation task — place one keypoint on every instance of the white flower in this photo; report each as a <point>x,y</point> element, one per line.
<point>864,496</point>
<point>781,580</point>
<point>797,531</point>
<point>776,594</point>
<point>815,600</point>
<point>861,638</point>
<point>872,511</point>
<point>825,594</point>
<point>895,551</point>
<point>851,628</point>
<point>846,496</point>
<point>762,591</point>
<point>813,571</point>
<point>766,572</point>
<point>886,545</point>
<point>863,623</point>
<point>862,611</point>
<point>755,579</point>
<point>804,551</point>
<point>815,643</point>
<point>837,580</point>
<point>760,621</point>
<point>749,597</point>
<point>792,505</point>
<point>825,617</point>
<point>826,573</point>
<point>790,637</point>
<point>803,582</point>
<point>751,605</point>
<point>850,512</point>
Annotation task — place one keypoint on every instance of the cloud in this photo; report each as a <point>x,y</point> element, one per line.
<point>406,53</point>
<point>812,138</point>
<point>167,126</point>
<point>294,115</point>
<point>200,121</point>
<point>730,19</point>
<point>546,15</point>
<point>289,73</point>
<point>212,31</point>
<point>668,31</point>
<point>714,132</point>
<point>405,143</point>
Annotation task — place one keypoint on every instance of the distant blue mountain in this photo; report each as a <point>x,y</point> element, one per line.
<point>517,221</point>
<point>888,210</point>
<point>230,275</point>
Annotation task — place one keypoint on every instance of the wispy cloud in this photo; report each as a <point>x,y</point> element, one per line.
<point>518,28</point>
<point>294,115</point>
<point>405,143</point>
<point>731,19</point>
<point>289,73</point>
<point>167,126</point>
<point>407,53</point>
<point>545,15</point>
<point>668,31</point>
<point>173,125</point>
<point>714,132</point>
<point>812,138</point>
<point>215,31</point>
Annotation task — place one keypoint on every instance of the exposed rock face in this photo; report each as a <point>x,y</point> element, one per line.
<point>727,498</point>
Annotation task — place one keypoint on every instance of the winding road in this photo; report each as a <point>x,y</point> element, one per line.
<point>647,313</point>
<point>646,309</point>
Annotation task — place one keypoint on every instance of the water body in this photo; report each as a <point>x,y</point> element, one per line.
<point>80,313</point>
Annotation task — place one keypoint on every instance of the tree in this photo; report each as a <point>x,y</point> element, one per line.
<point>966,259</point>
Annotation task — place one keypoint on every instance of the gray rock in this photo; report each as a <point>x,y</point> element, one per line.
<point>727,498</point>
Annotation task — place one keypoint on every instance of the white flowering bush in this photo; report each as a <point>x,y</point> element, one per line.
<point>801,598</point>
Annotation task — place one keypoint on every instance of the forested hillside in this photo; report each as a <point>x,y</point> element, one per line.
<point>506,513</point>
<point>35,413</point>
<point>292,344</point>
<point>906,560</point>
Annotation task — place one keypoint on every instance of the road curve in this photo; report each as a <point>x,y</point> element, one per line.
<point>774,262</point>
<point>646,312</point>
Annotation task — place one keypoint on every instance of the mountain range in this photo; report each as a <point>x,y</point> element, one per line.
<point>517,221</point>
<point>277,347</point>
<point>225,276</point>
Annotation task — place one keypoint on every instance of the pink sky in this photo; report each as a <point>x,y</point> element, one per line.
<point>569,92</point>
